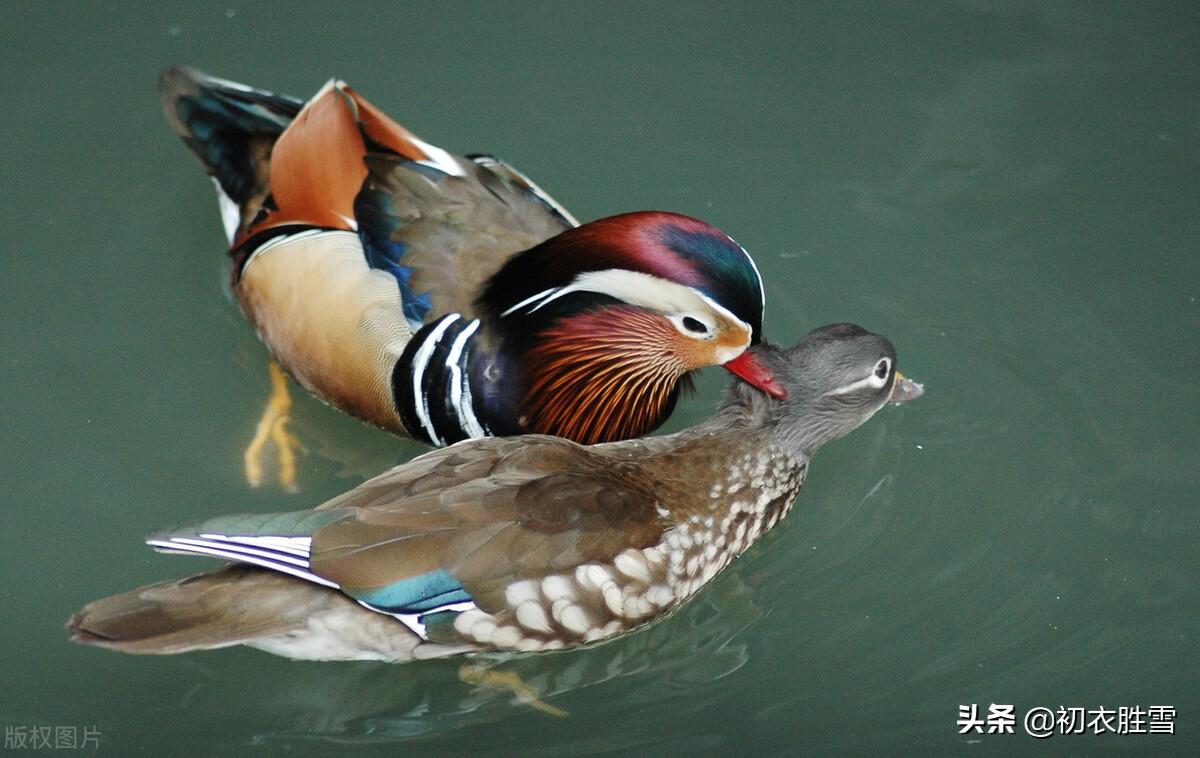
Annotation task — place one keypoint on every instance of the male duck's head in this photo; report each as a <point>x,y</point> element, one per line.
<point>604,321</point>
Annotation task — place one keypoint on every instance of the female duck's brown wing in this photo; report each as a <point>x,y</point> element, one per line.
<point>452,530</point>
<point>487,514</point>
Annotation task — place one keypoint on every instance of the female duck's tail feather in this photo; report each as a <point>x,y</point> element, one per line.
<point>245,605</point>
<point>195,613</point>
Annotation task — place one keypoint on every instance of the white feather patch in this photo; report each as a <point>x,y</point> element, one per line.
<point>460,387</point>
<point>231,215</point>
<point>420,362</point>
<point>532,616</point>
<point>644,290</point>
<point>187,546</point>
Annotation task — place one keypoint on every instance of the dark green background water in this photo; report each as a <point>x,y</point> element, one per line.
<point>1009,190</point>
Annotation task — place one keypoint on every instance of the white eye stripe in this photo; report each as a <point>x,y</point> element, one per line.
<point>853,386</point>
<point>722,310</point>
<point>675,300</point>
<point>871,381</point>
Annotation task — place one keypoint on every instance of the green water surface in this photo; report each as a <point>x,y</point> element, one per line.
<point>1009,190</point>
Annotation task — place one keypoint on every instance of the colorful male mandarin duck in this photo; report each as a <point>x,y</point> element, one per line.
<point>448,298</point>
<point>522,543</point>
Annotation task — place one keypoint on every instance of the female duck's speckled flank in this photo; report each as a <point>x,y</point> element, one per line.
<point>526,543</point>
<point>445,297</point>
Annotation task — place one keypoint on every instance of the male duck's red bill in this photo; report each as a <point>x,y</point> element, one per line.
<point>752,369</point>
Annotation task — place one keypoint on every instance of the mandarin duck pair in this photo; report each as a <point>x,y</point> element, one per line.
<point>451,299</point>
<point>447,298</point>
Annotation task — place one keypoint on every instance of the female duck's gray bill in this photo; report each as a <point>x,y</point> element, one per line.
<point>905,389</point>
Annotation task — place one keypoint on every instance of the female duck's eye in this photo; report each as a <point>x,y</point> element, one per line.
<point>881,370</point>
<point>694,325</point>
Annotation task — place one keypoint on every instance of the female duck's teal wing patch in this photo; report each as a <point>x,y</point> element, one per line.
<point>419,594</point>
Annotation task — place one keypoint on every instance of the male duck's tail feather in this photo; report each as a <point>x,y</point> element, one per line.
<point>229,126</point>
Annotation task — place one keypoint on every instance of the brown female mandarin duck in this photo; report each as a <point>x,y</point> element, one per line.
<point>448,298</point>
<point>524,543</point>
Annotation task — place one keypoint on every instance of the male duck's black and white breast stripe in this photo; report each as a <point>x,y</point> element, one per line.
<point>432,383</point>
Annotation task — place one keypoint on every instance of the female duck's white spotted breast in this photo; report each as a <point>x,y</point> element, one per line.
<point>593,602</point>
<point>601,600</point>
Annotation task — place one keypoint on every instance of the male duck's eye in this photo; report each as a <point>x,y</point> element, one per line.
<point>881,370</point>
<point>694,325</point>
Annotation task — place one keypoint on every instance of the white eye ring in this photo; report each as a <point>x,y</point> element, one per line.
<point>694,326</point>
<point>879,376</point>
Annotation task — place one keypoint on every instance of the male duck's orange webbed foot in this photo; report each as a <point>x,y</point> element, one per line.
<point>273,427</point>
<point>481,676</point>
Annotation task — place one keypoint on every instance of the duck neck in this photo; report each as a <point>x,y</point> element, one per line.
<point>737,483</point>
<point>743,445</point>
